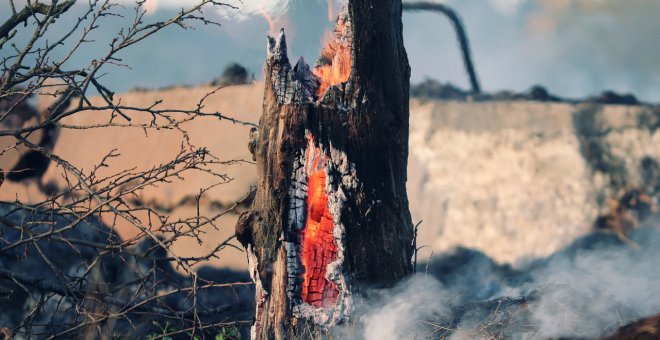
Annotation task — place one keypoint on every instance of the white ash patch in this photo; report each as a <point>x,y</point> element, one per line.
<point>338,165</point>
<point>292,242</point>
<point>298,197</point>
<point>260,294</point>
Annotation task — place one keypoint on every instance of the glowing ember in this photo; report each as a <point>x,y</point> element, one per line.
<point>318,245</point>
<point>334,64</point>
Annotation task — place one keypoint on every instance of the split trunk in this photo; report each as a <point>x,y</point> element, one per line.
<point>330,218</point>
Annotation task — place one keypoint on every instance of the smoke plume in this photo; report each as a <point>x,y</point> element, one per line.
<point>589,289</point>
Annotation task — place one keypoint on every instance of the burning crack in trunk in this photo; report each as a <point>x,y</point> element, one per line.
<point>318,245</point>
<point>316,286</point>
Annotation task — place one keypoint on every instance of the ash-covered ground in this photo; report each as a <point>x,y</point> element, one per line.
<point>50,285</point>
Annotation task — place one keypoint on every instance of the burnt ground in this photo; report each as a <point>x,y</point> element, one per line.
<point>29,279</point>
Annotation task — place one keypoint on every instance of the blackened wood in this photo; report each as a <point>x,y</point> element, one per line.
<point>362,127</point>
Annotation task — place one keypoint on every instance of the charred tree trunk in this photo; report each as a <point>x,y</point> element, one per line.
<point>330,217</point>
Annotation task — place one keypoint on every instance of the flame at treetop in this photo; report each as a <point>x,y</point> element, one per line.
<point>334,64</point>
<point>318,244</point>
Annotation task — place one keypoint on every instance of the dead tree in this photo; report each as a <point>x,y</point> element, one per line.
<point>461,35</point>
<point>331,217</point>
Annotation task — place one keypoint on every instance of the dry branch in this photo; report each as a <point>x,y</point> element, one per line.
<point>62,270</point>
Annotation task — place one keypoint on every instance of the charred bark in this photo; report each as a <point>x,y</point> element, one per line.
<point>330,216</point>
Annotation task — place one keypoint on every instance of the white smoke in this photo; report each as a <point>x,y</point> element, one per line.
<point>588,290</point>
<point>599,290</point>
<point>400,313</point>
<point>247,8</point>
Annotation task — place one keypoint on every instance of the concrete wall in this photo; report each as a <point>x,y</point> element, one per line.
<point>521,179</point>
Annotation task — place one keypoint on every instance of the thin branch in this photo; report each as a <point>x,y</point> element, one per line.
<point>29,11</point>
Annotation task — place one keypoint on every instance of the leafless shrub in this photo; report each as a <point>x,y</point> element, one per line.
<point>63,272</point>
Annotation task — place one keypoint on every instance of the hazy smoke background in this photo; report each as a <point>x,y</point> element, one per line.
<point>573,47</point>
<point>587,290</point>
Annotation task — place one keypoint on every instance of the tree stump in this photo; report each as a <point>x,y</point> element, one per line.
<point>330,217</point>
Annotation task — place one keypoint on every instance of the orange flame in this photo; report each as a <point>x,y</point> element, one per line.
<point>334,65</point>
<point>318,245</point>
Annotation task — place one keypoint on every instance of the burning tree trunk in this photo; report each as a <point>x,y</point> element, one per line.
<point>330,216</point>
